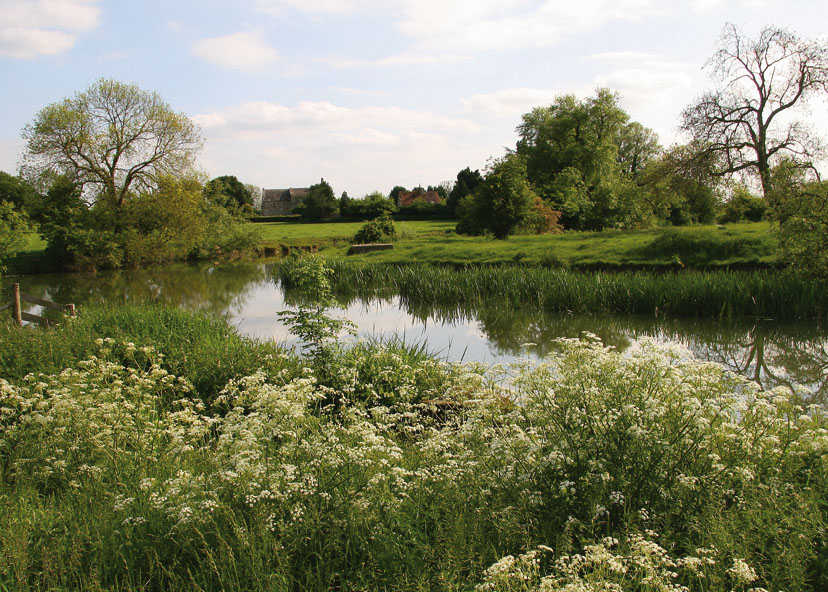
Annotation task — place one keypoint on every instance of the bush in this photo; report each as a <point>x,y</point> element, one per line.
<point>541,219</point>
<point>501,202</point>
<point>13,226</point>
<point>371,206</point>
<point>381,229</point>
<point>743,206</point>
<point>803,230</point>
<point>320,202</point>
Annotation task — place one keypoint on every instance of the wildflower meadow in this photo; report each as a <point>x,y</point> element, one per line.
<point>391,470</point>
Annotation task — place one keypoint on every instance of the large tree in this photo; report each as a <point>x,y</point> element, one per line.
<point>573,159</point>
<point>749,122</point>
<point>113,138</point>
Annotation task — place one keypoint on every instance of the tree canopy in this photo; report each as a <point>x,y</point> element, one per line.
<point>581,155</point>
<point>747,122</point>
<point>113,138</point>
<point>228,192</point>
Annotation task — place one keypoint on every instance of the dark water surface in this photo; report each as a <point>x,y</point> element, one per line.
<point>248,296</point>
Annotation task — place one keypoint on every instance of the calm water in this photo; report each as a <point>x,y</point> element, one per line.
<point>249,297</point>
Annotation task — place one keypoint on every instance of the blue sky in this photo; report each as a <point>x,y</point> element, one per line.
<point>370,93</point>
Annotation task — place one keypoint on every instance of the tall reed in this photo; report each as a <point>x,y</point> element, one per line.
<point>779,295</point>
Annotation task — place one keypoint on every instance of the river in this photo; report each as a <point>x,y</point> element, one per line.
<point>250,298</point>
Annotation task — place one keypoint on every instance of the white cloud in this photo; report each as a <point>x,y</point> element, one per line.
<point>279,7</point>
<point>44,27</point>
<point>358,149</point>
<point>653,90</point>
<point>240,51</point>
<point>510,102</point>
<point>401,59</point>
<point>463,26</point>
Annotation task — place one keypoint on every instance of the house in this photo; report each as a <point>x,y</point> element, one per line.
<point>406,198</point>
<point>278,202</point>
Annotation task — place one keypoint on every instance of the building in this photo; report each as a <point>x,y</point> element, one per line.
<point>406,198</point>
<point>279,202</point>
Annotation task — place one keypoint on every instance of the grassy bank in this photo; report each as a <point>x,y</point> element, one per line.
<point>718,293</point>
<point>117,474</point>
<point>749,245</point>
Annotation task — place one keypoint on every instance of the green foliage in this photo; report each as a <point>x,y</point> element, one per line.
<point>573,160</point>
<point>310,276</point>
<point>377,230</point>
<point>320,202</point>
<point>699,248</point>
<point>467,181</point>
<point>13,229</point>
<point>20,193</point>
<point>205,350</point>
<point>718,294</point>
<point>114,139</point>
<point>501,202</point>
<point>172,222</point>
<point>429,476</point>
<point>369,207</point>
<point>803,230</point>
<point>742,206</point>
<point>230,193</point>
<point>678,187</point>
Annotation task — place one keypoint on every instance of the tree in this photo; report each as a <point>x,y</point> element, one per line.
<point>113,138</point>
<point>749,122</point>
<point>467,181</point>
<point>319,202</point>
<point>228,192</point>
<point>637,145</point>
<point>20,193</point>
<point>572,159</point>
<point>395,194</point>
<point>13,226</point>
<point>501,201</point>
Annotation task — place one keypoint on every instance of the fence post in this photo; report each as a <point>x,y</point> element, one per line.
<point>18,311</point>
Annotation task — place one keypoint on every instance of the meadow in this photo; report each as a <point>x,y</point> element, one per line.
<point>746,245</point>
<point>179,455</point>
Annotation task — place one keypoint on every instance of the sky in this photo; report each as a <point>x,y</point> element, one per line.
<point>372,93</point>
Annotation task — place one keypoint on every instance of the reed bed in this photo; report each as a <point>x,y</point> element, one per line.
<point>780,295</point>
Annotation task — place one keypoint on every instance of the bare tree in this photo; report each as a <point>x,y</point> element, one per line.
<point>748,123</point>
<point>113,137</point>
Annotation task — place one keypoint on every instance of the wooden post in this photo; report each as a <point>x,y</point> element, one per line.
<point>18,311</point>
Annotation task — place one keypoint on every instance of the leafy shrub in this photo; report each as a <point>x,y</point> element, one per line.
<point>13,225</point>
<point>743,206</point>
<point>378,230</point>
<point>540,219</point>
<point>373,205</point>
<point>320,202</point>
<point>803,230</point>
<point>500,203</point>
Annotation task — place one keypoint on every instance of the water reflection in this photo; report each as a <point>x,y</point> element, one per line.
<point>769,352</point>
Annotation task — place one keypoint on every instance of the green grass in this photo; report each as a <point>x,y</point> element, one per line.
<point>690,293</point>
<point>113,478</point>
<point>198,346</point>
<point>734,245</point>
<point>334,233</point>
<point>749,244</point>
